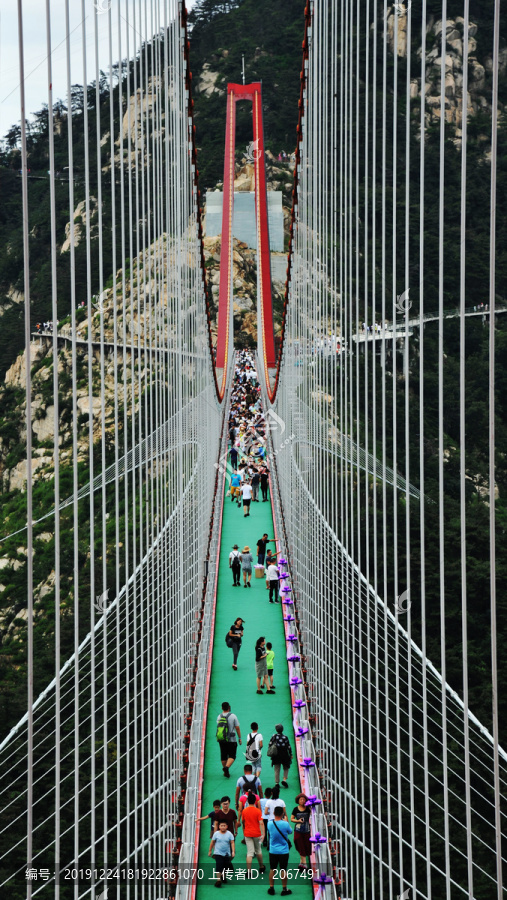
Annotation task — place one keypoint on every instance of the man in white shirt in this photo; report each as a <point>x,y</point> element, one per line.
<point>246,491</point>
<point>272,581</point>
<point>253,750</point>
<point>269,808</point>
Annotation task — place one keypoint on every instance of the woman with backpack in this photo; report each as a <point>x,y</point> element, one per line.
<point>233,639</point>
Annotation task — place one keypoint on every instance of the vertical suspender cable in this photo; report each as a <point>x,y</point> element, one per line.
<point>56,453</point>
<point>104,702</point>
<point>395,564</point>
<point>120,620</point>
<point>406,367</point>
<point>424,687</point>
<point>462,404</point>
<point>376,652</point>
<point>88,213</point>
<point>368,802</point>
<point>29,497</point>
<point>441,449</point>
<point>137,598</point>
<point>75,483</point>
<point>357,625</point>
<point>384,447</point>
<point>130,599</point>
<point>491,403</point>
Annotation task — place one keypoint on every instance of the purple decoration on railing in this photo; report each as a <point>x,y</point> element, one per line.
<point>295,680</point>
<point>282,562</point>
<point>289,618</point>
<point>313,801</point>
<point>318,838</point>
<point>283,575</point>
<point>323,879</point>
<point>287,601</point>
<point>286,590</point>
<point>301,731</point>
<point>298,704</point>
<point>292,637</point>
<point>295,658</point>
<point>308,762</point>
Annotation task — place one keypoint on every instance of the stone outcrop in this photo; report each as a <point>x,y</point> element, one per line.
<point>478,96</point>
<point>80,222</point>
<point>207,83</point>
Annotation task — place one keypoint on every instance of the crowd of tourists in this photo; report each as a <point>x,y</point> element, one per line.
<point>261,813</point>
<point>247,437</point>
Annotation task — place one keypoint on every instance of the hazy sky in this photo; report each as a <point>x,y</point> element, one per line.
<point>83,15</point>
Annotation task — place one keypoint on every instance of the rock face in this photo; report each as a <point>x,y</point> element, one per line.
<point>79,223</point>
<point>477,95</point>
<point>244,274</point>
<point>207,83</point>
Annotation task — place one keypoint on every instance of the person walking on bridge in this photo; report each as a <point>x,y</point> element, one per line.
<point>255,485</point>
<point>228,815</point>
<point>264,476</point>
<point>282,755</point>
<point>222,848</point>
<point>272,580</point>
<point>253,829</point>
<point>235,565</point>
<point>279,831</point>
<point>246,490</point>
<point>261,669</point>
<point>235,487</point>
<point>234,458</point>
<point>247,782</point>
<point>246,564</point>
<point>227,729</point>
<point>233,641</point>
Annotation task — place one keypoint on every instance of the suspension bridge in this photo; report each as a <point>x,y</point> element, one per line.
<point>385,483</point>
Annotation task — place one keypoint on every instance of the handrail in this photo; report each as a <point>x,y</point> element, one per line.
<point>305,749</point>
<point>191,826</point>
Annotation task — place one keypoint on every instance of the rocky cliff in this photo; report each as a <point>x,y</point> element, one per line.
<point>479,70</point>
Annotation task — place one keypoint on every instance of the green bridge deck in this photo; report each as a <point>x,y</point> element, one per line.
<point>239,689</point>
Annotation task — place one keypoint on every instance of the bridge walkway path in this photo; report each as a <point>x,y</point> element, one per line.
<point>239,689</point>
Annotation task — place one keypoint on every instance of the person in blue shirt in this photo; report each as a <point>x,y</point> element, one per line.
<point>279,830</point>
<point>235,487</point>
<point>222,849</point>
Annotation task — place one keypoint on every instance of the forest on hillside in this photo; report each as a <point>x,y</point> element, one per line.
<point>268,34</point>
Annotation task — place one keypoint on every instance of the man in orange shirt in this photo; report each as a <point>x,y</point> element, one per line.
<point>253,828</point>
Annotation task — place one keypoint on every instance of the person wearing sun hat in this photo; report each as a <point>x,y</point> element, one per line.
<point>246,565</point>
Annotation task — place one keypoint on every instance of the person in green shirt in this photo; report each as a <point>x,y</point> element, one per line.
<point>270,655</point>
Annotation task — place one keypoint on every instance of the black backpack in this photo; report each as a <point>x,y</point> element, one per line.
<point>249,783</point>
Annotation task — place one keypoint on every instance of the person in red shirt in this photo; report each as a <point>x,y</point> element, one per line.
<point>253,828</point>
